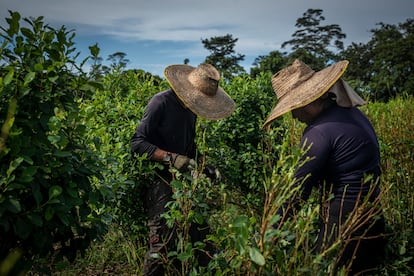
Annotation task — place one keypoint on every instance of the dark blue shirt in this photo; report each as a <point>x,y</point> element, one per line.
<point>167,124</point>
<point>344,148</point>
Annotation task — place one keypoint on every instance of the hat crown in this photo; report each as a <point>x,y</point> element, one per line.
<point>205,78</point>
<point>291,77</point>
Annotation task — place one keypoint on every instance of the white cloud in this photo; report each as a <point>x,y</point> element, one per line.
<point>260,26</point>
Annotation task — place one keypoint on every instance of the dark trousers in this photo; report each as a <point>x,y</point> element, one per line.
<point>364,247</point>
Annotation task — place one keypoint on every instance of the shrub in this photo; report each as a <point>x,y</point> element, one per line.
<point>48,203</point>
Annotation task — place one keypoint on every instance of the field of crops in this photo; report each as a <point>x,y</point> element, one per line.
<point>242,204</point>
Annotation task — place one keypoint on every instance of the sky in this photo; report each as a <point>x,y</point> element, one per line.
<point>156,33</point>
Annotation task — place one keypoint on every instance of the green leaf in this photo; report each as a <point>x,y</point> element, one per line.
<point>25,91</point>
<point>54,139</point>
<point>9,77</point>
<point>14,23</point>
<point>54,123</point>
<point>94,50</point>
<point>38,67</point>
<point>37,194</point>
<point>28,173</point>
<point>29,78</point>
<point>54,191</point>
<point>49,212</point>
<point>13,205</point>
<point>15,186</point>
<point>64,218</point>
<point>27,33</point>
<point>14,165</point>
<point>240,244</point>
<point>184,256</point>
<point>53,79</point>
<point>36,219</point>
<point>256,256</point>
<point>53,201</point>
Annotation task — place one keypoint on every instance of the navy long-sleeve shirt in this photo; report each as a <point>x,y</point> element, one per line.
<point>167,125</point>
<point>344,148</point>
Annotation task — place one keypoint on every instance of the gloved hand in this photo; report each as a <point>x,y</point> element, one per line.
<point>181,162</point>
<point>212,172</point>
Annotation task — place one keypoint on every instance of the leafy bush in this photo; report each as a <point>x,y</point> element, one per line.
<point>47,200</point>
<point>234,144</point>
<point>112,114</point>
<point>394,124</point>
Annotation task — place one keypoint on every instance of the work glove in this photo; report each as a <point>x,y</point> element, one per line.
<point>212,172</point>
<point>182,162</point>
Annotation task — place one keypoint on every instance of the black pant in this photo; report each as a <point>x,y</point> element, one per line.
<point>366,243</point>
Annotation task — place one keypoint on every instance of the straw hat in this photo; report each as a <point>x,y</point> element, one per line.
<point>198,89</point>
<point>298,85</point>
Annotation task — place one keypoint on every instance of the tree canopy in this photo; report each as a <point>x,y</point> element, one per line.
<point>383,67</point>
<point>380,69</point>
<point>320,41</point>
<point>223,55</point>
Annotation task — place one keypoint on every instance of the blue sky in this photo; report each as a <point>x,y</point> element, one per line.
<point>157,33</point>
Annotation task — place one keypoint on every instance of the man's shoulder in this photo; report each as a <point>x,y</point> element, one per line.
<point>165,93</point>
<point>162,96</point>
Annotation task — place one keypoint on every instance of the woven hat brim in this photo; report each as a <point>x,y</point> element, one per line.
<point>215,107</point>
<point>309,91</point>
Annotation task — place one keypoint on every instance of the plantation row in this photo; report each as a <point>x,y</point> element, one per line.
<point>256,167</point>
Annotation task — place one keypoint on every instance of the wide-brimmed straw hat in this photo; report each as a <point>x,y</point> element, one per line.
<point>298,85</point>
<point>198,88</point>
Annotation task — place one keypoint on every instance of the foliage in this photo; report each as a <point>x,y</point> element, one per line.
<point>48,203</point>
<point>241,232</point>
<point>394,124</point>
<point>112,115</point>
<point>223,56</point>
<point>358,73</point>
<point>195,195</point>
<point>272,63</point>
<point>315,39</point>
<point>315,44</point>
<point>384,65</point>
<point>380,69</point>
<point>118,62</point>
<point>234,144</point>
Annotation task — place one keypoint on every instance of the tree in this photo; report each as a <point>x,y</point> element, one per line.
<point>384,66</point>
<point>358,73</point>
<point>393,61</point>
<point>270,63</point>
<point>118,62</point>
<point>316,40</point>
<point>223,56</point>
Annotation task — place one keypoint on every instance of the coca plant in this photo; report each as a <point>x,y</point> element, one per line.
<point>48,202</point>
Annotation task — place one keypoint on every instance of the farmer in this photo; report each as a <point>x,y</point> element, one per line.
<point>343,150</point>
<point>166,134</point>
